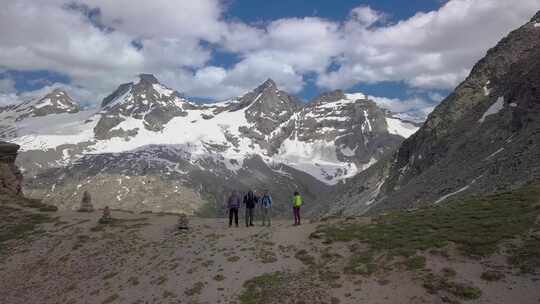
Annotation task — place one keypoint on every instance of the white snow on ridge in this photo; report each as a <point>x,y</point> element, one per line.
<point>162,90</point>
<point>355,96</point>
<point>487,91</point>
<point>494,153</point>
<point>537,24</point>
<point>126,97</point>
<point>348,151</point>
<point>401,128</point>
<point>443,198</point>
<point>493,109</point>
<point>303,156</point>
<point>44,103</point>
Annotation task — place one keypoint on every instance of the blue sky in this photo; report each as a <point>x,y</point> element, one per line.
<point>264,11</point>
<point>408,55</point>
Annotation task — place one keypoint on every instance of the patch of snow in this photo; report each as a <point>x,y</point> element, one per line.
<point>365,166</point>
<point>443,198</point>
<point>494,153</point>
<point>401,128</point>
<point>375,193</point>
<point>355,96</point>
<point>317,158</point>
<point>348,152</point>
<point>163,91</point>
<point>63,106</point>
<point>51,131</point>
<point>126,97</point>
<point>493,109</point>
<point>44,103</point>
<point>537,24</point>
<point>487,91</point>
<point>367,122</point>
<point>451,194</point>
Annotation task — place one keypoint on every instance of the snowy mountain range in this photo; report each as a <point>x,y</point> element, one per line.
<point>145,133</point>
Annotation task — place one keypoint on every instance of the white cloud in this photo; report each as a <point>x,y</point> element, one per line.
<point>429,50</point>
<point>7,86</point>
<point>433,50</point>
<point>413,109</point>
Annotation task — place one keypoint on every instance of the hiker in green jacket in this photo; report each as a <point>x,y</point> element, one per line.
<point>297,203</point>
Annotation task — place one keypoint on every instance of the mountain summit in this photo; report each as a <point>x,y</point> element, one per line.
<point>146,100</point>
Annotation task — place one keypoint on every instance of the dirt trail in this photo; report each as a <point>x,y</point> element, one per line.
<point>142,258</point>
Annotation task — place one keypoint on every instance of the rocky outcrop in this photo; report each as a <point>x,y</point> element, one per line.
<point>10,176</point>
<point>268,108</point>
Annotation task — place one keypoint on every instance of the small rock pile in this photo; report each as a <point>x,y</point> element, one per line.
<point>183,222</point>
<point>106,218</point>
<point>86,203</point>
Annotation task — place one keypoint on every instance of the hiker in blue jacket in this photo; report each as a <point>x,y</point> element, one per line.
<point>266,206</point>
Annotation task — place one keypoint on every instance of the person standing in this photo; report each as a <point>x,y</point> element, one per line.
<point>233,204</point>
<point>297,203</point>
<point>250,200</point>
<point>266,208</point>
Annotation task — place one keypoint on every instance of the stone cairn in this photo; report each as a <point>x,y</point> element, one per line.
<point>86,203</point>
<point>106,217</point>
<point>183,222</point>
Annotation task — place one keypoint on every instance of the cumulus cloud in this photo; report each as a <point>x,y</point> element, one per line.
<point>7,86</point>
<point>101,43</point>
<point>432,50</point>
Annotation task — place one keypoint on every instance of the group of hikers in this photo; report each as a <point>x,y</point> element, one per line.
<point>251,200</point>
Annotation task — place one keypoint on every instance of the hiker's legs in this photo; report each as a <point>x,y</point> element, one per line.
<point>235,211</point>
<point>264,212</point>
<point>269,216</point>
<point>231,210</point>
<point>296,211</point>
<point>247,217</point>
<point>251,216</point>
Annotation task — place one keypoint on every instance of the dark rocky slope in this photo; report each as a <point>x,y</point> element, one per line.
<point>484,137</point>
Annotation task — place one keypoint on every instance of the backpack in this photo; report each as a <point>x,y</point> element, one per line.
<point>266,201</point>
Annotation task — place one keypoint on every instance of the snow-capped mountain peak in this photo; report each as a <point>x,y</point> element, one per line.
<point>147,79</point>
<point>147,100</point>
<point>58,101</point>
<point>268,84</point>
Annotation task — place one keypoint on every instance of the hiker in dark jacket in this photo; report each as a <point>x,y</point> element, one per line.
<point>233,204</point>
<point>250,200</point>
<point>266,208</point>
